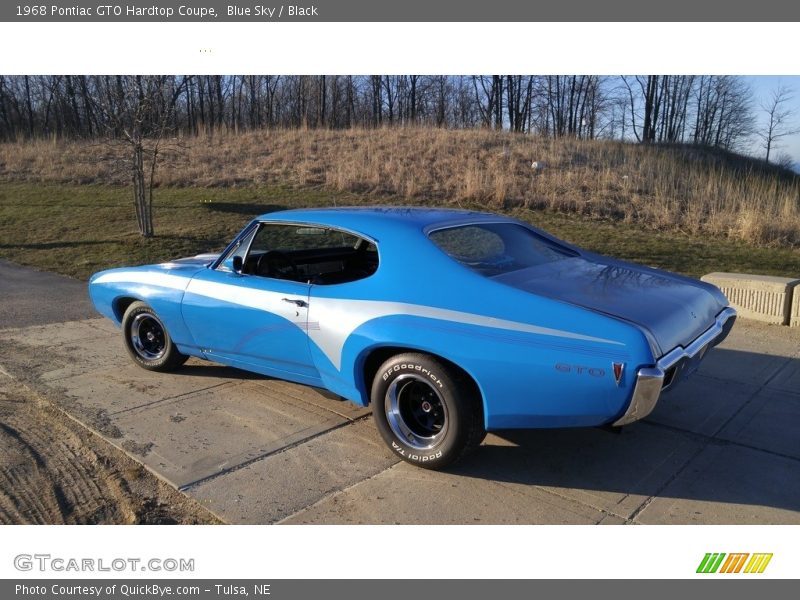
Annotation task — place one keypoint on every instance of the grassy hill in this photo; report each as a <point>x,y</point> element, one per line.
<point>66,205</point>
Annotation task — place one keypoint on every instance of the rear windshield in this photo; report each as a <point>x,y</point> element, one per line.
<point>497,248</point>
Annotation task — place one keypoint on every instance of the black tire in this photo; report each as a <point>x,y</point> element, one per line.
<point>428,413</point>
<point>148,341</point>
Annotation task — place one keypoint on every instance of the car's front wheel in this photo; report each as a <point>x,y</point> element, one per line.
<point>148,341</point>
<point>428,413</point>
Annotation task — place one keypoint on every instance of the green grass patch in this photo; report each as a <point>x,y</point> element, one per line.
<point>77,230</point>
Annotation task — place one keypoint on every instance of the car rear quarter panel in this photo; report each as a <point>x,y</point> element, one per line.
<point>537,362</point>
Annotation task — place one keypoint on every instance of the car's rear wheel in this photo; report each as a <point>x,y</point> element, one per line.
<point>148,341</point>
<point>428,413</point>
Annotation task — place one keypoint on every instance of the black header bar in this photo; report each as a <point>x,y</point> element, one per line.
<point>404,11</point>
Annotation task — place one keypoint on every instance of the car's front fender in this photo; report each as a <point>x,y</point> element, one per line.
<point>111,290</point>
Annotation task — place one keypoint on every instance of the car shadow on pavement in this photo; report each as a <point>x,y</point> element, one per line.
<point>593,463</point>
<point>198,368</point>
<point>214,370</point>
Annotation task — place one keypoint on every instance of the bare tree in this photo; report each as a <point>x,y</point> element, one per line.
<point>632,105</point>
<point>571,103</point>
<point>779,118</point>
<point>489,99</point>
<point>786,161</point>
<point>723,112</point>
<point>138,111</point>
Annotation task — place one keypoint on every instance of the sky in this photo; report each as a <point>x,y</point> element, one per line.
<point>762,87</point>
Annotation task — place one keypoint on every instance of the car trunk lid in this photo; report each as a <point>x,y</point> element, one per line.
<point>671,309</point>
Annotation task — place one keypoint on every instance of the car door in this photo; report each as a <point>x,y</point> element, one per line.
<point>253,319</point>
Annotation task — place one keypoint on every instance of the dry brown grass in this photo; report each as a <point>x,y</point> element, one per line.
<point>664,188</point>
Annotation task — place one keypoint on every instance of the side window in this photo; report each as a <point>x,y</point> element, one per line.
<point>308,254</point>
<point>291,238</point>
<point>470,243</point>
<point>496,248</point>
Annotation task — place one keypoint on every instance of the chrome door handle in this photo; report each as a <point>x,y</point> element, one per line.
<point>301,303</point>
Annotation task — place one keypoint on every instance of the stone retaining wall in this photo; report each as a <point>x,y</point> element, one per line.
<point>761,297</point>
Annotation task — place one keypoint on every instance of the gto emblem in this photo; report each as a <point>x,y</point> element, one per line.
<point>619,369</point>
<point>580,370</point>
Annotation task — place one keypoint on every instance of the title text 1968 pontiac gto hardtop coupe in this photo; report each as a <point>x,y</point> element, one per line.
<point>449,323</point>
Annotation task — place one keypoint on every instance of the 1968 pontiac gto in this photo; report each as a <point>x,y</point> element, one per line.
<point>449,323</point>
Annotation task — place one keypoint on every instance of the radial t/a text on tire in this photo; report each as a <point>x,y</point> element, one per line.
<point>427,412</point>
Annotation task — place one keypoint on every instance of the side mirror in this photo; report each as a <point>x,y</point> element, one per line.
<point>238,264</point>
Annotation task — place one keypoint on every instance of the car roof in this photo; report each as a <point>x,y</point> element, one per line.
<point>372,219</point>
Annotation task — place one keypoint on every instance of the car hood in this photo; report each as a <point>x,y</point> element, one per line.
<point>673,310</point>
<point>201,260</point>
<point>185,266</point>
<point>182,267</point>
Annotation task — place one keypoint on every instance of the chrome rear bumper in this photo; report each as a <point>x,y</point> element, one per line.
<point>651,381</point>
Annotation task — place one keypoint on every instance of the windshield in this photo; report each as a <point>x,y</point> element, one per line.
<point>496,248</point>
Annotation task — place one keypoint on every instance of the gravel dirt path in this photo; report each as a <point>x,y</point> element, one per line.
<point>55,471</point>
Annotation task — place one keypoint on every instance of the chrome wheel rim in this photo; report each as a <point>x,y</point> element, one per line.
<point>148,337</point>
<point>416,412</point>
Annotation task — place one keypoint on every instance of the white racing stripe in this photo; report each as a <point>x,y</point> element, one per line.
<point>175,282</point>
<point>337,318</point>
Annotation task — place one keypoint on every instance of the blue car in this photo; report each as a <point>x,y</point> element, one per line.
<point>448,323</point>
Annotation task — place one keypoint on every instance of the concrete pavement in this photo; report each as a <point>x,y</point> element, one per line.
<point>721,448</point>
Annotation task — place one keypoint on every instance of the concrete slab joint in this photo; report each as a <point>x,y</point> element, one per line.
<point>764,298</point>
